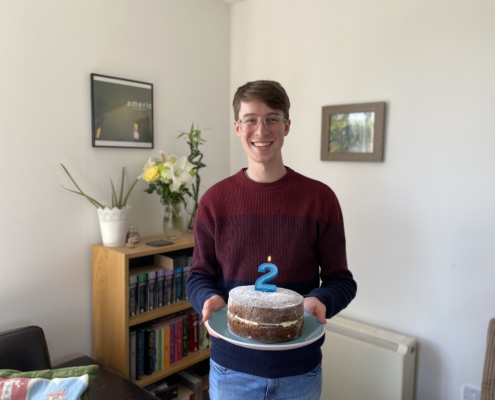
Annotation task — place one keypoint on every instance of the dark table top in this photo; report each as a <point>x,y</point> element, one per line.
<point>109,385</point>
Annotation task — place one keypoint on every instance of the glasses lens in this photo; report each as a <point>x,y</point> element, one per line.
<point>249,124</point>
<point>272,123</point>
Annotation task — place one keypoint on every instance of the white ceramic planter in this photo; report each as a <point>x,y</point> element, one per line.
<point>113,225</point>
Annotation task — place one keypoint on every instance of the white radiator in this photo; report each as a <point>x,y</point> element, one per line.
<point>364,362</point>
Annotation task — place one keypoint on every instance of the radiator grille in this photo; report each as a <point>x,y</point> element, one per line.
<point>363,337</point>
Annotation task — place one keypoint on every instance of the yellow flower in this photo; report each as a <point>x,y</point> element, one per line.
<point>151,174</point>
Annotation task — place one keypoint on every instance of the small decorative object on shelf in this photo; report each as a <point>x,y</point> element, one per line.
<point>113,220</point>
<point>194,140</point>
<point>169,177</point>
<point>133,234</point>
<point>129,244</point>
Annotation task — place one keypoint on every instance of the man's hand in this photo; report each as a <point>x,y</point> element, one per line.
<point>211,305</point>
<point>315,307</point>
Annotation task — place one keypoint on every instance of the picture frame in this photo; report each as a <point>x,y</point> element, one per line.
<point>353,132</point>
<point>121,112</point>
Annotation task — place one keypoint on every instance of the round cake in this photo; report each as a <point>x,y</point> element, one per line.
<point>268,317</point>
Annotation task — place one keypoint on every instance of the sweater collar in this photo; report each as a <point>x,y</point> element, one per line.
<point>245,181</point>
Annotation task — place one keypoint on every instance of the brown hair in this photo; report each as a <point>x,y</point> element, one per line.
<point>269,92</point>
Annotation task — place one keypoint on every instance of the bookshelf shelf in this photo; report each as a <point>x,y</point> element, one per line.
<point>159,312</point>
<point>111,323</point>
<point>186,362</point>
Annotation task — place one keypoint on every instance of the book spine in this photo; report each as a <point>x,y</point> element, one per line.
<point>151,290</point>
<point>143,292</point>
<point>160,287</point>
<point>139,353</point>
<point>166,347</point>
<point>169,287</point>
<point>179,336</point>
<point>133,295</point>
<point>132,355</point>
<point>148,351</point>
<point>185,335</point>
<point>193,331</point>
<point>159,349</point>
<point>173,343</point>
<point>178,284</point>
<point>185,273</point>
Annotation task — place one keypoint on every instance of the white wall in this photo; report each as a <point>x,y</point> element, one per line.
<point>48,50</point>
<point>421,225</point>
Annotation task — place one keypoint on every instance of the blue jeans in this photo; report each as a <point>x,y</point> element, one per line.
<point>227,384</point>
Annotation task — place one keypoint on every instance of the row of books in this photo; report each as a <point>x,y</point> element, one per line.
<point>160,284</point>
<point>156,345</point>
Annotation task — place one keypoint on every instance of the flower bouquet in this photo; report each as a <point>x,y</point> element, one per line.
<point>169,176</point>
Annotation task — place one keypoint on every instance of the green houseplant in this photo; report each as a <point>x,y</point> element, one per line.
<point>194,140</point>
<point>119,202</point>
<point>113,220</point>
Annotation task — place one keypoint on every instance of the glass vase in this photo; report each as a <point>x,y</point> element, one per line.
<point>173,221</point>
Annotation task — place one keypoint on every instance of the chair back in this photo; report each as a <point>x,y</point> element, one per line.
<point>24,349</point>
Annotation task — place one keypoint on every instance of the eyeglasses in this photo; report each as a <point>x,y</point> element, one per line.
<point>272,122</point>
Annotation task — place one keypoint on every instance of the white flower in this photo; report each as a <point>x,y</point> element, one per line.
<point>179,172</point>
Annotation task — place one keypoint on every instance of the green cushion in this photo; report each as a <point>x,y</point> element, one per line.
<point>72,383</point>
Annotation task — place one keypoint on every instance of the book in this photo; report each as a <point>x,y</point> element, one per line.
<point>178,295</point>
<point>151,290</point>
<point>173,342</point>
<point>179,337</point>
<point>193,331</point>
<point>143,292</point>
<point>132,355</point>
<point>158,349</point>
<point>160,287</point>
<point>133,295</point>
<point>169,287</point>
<point>192,381</point>
<point>139,354</point>
<point>185,273</point>
<point>149,351</point>
<point>166,347</point>
<point>185,335</point>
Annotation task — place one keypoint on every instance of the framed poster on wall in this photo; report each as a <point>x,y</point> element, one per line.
<point>353,132</point>
<point>122,112</point>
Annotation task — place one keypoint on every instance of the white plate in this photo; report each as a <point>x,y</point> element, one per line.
<point>312,331</point>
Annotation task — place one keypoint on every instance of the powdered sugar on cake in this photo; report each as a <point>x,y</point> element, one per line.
<point>282,298</point>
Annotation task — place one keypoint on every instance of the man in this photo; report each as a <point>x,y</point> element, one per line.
<point>266,210</point>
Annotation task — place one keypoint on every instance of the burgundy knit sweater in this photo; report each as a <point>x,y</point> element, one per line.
<point>295,220</point>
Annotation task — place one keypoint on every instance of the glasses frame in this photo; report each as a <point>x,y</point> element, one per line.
<point>239,121</point>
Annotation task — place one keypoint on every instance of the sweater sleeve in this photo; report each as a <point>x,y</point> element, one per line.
<point>338,287</point>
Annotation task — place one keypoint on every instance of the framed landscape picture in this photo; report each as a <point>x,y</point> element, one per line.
<point>122,112</point>
<point>353,132</point>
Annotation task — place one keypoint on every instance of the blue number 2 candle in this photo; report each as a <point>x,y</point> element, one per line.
<point>260,283</point>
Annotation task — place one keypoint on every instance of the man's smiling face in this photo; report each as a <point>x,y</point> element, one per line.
<point>262,145</point>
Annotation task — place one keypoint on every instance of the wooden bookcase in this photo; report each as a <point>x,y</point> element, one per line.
<point>110,305</point>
